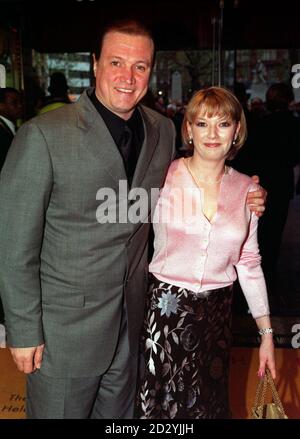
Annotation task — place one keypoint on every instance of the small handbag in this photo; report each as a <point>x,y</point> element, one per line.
<point>263,410</point>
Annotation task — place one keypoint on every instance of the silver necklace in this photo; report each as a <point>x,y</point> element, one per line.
<point>197,179</point>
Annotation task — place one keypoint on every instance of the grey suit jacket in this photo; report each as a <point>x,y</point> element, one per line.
<point>63,274</point>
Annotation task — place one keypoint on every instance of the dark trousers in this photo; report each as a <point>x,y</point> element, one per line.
<point>109,396</point>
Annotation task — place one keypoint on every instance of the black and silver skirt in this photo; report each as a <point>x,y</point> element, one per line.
<point>186,340</point>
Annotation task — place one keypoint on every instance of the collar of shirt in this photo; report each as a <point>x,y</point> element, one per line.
<point>116,124</point>
<point>9,123</point>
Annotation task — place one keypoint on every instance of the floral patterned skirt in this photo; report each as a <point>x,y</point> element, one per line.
<point>186,341</point>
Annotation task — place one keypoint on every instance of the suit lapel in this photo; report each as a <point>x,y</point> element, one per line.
<point>101,144</point>
<point>148,147</point>
<point>99,140</point>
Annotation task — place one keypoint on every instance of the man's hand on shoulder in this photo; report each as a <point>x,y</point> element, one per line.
<point>28,359</point>
<point>257,199</point>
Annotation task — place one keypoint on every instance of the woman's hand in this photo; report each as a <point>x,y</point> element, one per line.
<point>267,356</point>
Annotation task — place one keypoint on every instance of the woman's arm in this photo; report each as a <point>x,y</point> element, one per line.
<point>266,350</point>
<point>252,282</point>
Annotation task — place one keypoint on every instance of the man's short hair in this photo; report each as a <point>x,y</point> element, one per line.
<point>125,26</point>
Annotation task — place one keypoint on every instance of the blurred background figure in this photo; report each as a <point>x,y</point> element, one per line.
<point>240,91</point>
<point>261,72</point>
<point>272,153</point>
<point>10,111</point>
<point>257,108</point>
<point>177,118</point>
<point>58,90</point>
<point>34,96</point>
<point>243,95</point>
<point>278,152</point>
<point>160,105</point>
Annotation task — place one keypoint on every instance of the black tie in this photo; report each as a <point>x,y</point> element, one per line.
<point>125,145</point>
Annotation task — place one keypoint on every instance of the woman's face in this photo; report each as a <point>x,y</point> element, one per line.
<point>212,136</point>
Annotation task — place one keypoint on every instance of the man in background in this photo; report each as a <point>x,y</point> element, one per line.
<point>10,112</point>
<point>58,90</point>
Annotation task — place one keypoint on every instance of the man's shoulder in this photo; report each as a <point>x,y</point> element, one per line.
<point>63,115</point>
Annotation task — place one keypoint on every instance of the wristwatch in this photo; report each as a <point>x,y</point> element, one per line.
<point>265,331</point>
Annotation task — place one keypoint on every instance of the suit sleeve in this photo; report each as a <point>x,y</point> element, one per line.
<point>25,189</point>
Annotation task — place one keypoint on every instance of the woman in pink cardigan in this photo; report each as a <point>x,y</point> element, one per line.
<point>205,237</point>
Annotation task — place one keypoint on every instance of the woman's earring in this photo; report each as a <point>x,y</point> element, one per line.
<point>234,142</point>
<point>190,140</point>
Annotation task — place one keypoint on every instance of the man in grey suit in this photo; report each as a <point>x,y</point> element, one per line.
<point>73,285</point>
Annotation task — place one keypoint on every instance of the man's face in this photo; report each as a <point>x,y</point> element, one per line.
<point>123,71</point>
<point>12,107</point>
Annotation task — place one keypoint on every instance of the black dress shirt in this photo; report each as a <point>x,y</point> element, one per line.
<point>116,126</point>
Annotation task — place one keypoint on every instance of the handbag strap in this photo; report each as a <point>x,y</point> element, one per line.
<point>275,394</point>
<point>261,391</point>
<point>260,394</point>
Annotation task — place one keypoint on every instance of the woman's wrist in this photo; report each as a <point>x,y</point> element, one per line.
<point>265,331</point>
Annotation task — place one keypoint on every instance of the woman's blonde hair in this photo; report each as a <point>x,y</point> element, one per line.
<point>214,101</point>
